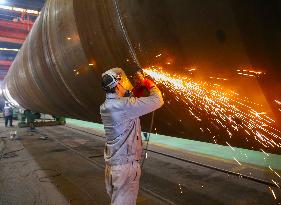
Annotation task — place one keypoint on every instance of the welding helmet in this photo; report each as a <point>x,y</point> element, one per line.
<point>110,80</point>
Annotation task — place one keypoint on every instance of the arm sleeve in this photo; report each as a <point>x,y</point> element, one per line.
<point>136,107</point>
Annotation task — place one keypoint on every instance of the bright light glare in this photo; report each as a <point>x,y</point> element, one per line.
<point>9,49</point>
<point>11,8</point>
<point>9,98</point>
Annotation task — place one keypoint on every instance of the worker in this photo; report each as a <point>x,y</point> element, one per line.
<point>8,114</point>
<point>123,148</point>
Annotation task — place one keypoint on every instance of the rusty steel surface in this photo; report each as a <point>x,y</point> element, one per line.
<point>58,69</point>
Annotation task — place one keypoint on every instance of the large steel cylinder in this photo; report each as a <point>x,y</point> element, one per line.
<point>59,67</point>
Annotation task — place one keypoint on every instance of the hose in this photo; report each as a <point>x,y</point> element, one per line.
<point>148,138</point>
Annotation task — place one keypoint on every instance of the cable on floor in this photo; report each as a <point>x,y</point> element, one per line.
<point>10,154</point>
<point>42,179</point>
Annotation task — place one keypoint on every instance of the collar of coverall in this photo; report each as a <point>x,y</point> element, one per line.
<point>111,96</point>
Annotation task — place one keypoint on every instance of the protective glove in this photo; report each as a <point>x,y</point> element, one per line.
<point>140,89</point>
<point>142,85</point>
<point>148,84</point>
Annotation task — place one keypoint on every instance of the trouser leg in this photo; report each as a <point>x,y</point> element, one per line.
<point>11,120</point>
<point>108,181</point>
<point>6,121</point>
<point>123,183</point>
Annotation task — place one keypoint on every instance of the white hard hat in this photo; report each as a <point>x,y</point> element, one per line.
<point>110,79</point>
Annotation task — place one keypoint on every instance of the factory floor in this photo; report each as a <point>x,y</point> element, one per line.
<point>67,168</point>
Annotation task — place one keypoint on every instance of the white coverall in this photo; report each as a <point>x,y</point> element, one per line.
<point>123,148</point>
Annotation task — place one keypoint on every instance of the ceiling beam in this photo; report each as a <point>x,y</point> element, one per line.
<point>11,40</point>
<point>13,34</point>
<point>26,26</point>
<point>4,67</point>
<point>5,63</point>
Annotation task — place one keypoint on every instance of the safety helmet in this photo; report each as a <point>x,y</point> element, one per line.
<point>110,80</point>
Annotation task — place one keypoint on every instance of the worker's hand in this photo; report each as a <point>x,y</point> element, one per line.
<point>141,80</point>
<point>141,84</point>
<point>148,84</point>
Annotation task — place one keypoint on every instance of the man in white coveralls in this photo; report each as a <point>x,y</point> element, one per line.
<point>123,149</point>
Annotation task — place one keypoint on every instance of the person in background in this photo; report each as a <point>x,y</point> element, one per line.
<point>123,148</point>
<point>8,114</point>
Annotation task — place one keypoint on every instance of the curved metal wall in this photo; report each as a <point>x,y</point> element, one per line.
<point>59,66</point>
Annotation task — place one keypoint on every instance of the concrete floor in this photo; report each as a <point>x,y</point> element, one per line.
<point>67,168</point>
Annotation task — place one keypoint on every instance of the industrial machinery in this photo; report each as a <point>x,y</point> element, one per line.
<point>58,69</point>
